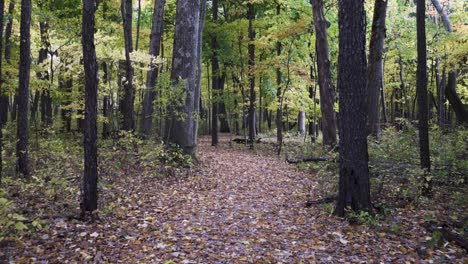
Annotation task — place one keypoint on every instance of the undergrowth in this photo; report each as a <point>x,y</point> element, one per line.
<point>56,165</point>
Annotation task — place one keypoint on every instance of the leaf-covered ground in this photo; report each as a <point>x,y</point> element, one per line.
<point>236,206</point>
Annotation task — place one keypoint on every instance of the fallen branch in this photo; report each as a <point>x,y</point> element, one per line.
<point>327,199</point>
<point>447,234</point>
<point>242,141</point>
<point>295,161</point>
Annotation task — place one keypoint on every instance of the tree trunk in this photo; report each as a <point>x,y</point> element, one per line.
<point>152,75</point>
<point>224,124</point>
<point>301,122</point>
<point>452,96</point>
<point>374,67</point>
<point>197,98</point>
<point>23,89</point>
<point>383,100</point>
<point>138,25</point>
<point>128,108</point>
<point>46,100</point>
<point>4,97</point>
<point>327,93</point>
<point>3,117</point>
<point>354,186</point>
<point>279,81</point>
<point>445,18</point>
<point>90,179</point>
<point>184,74</point>
<point>440,84</point>
<point>421,85</point>
<point>403,89</point>
<point>251,47</point>
<point>105,104</point>
<point>216,79</point>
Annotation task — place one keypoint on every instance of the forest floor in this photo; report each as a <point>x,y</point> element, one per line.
<point>235,206</point>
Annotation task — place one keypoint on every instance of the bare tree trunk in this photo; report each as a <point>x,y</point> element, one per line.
<point>197,98</point>
<point>251,47</point>
<point>184,73</point>
<point>2,107</point>
<point>452,96</point>
<point>301,122</point>
<point>23,89</point>
<point>128,108</point>
<point>327,93</point>
<point>374,67</point>
<point>152,75</point>
<point>421,85</point>
<point>216,79</point>
<point>383,100</point>
<point>279,81</point>
<point>4,102</point>
<point>90,179</point>
<point>445,18</point>
<point>354,186</point>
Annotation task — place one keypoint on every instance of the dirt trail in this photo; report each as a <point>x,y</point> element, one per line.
<point>234,207</point>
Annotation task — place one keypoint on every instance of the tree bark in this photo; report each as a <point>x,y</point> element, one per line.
<point>301,122</point>
<point>452,96</point>
<point>23,89</point>
<point>421,86</point>
<point>3,117</point>
<point>445,17</point>
<point>46,100</point>
<point>128,108</point>
<point>4,102</point>
<point>216,79</point>
<point>251,47</point>
<point>197,98</point>
<point>279,81</point>
<point>90,179</point>
<point>327,94</point>
<point>374,67</point>
<point>180,131</point>
<point>354,186</point>
<point>152,75</point>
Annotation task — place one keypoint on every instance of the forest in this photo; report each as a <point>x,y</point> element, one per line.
<point>233,131</point>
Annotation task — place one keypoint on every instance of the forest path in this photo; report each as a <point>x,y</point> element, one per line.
<point>235,206</point>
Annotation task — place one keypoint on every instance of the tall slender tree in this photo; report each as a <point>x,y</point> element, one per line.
<point>90,179</point>
<point>198,106</point>
<point>180,131</point>
<point>216,80</point>
<point>375,66</point>
<point>421,86</point>
<point>2,7</point>
<point>152,75</point>
<point>279,81</point>
<point>128,100</point>
<point>4,100</point>
<point>251,47</point>
<point>354,186</point>
<point>327,91</point>
<point>23,89</point>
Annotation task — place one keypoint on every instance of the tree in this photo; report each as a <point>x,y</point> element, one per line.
<point>327,93</point>
<point>216,80</point>
<point>181,124</point>
<point>90,179</point>
<point>23,89</point>
<point>354,186</point>
<point>2,121</point>
<point>279,111</point>
<point>128,100</point>
<point>375,66</point>
<point>421,86</point>
<point>251,47</point>
<point>152,75</point>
